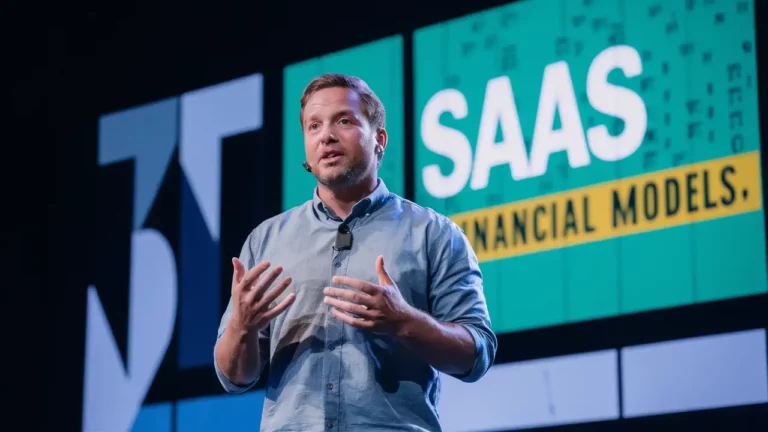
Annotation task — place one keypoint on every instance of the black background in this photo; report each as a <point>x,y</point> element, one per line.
<point>104,57</point>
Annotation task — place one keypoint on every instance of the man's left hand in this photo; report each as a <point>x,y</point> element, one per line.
<point>379,308</point>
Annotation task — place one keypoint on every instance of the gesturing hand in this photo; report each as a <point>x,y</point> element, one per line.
<point>380,308</point>
<point>250,299</point>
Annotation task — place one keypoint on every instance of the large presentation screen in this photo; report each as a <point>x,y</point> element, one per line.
<point>366,62</point>
<point>603,157</point>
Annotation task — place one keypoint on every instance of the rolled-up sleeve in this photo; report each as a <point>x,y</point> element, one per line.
<point>456,294</point>
<point>247,258</point>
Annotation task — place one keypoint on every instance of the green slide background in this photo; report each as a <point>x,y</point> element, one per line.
<point>686,55</point>
<point>378,63</point>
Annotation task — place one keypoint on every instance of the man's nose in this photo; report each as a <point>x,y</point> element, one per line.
<point>328,135</point>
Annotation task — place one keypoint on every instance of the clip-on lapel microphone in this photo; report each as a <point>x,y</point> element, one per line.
<point>343,238</point>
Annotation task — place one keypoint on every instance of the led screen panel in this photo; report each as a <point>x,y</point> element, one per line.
<point>706,372</point>
<point>599,165</point>
<point>543,392</point>
<point>693,374</point>
<point>378,63</point>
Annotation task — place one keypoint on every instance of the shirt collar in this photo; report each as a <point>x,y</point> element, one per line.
<point>369,204</point>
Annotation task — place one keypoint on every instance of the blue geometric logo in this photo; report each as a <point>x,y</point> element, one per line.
<point>196,122</point>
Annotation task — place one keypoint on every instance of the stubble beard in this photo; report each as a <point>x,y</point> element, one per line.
<point>351,175</point>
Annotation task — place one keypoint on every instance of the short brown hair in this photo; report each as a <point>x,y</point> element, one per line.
<point>372,106</point>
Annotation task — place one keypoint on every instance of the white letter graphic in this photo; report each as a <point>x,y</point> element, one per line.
<point>113,393</point>
<point>499,105</point>
<point>616,101</point>
<point>557,93</point>
<point>447,142</point>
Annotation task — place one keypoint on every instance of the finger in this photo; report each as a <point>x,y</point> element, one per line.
<point>277,310</point>
<point>263,284</point>
<point>384,278</point>
<point>253,274</point>
<point>357,284</point>
<point>348,307</point>
<point>356,322</point>
<point>237,272</point>
<point>274,293</point>
<point>352,296</point>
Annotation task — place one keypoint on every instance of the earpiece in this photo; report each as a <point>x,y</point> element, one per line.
<point>306,166</point>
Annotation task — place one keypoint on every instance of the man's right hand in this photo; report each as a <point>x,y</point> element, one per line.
<point>251,310</point>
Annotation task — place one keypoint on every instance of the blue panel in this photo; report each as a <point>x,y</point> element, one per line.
<point>199,304</point>
<point>221,413</point>
<point>153,418</point>
<point>149,134</point>
<point>207,116</point>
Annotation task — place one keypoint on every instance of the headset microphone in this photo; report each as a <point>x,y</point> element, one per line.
<point>306,166</point>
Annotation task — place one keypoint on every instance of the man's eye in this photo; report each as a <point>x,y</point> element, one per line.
<point>313,126</point>
<point>345,121</point>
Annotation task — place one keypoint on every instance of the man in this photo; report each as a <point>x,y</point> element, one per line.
<point>384,294</point>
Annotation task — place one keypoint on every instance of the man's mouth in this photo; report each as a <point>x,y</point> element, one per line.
<point>331,156</point>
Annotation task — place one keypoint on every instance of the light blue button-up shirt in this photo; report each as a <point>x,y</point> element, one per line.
<point>327,375</point>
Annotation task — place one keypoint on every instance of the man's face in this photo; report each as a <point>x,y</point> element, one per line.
<point>338,139</point>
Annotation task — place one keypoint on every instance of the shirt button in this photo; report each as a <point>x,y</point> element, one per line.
<point>329,424</point>
<point>330,386</point>
<point>338,264</point>
<point>331,347</point>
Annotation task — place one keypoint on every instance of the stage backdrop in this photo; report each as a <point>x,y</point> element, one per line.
<point>603,159</point>
<point>602,156</point>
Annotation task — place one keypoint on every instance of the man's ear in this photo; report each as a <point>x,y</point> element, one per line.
<point>381,141</point>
